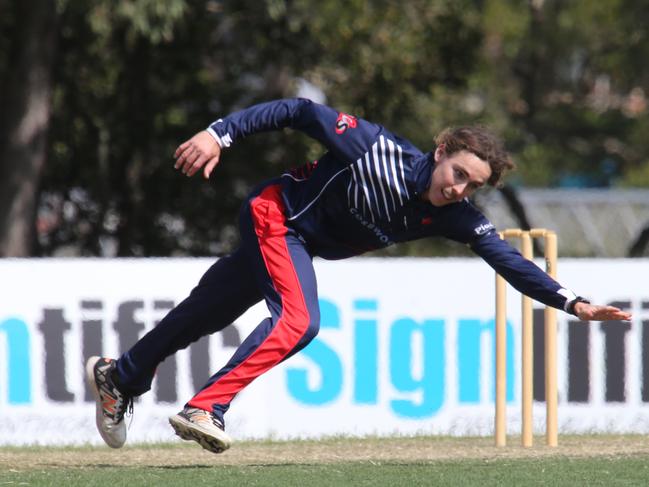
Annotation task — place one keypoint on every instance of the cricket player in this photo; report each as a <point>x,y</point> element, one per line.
<point>370,189</point>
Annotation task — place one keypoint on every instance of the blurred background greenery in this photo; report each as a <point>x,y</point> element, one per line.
<point>96,95</point>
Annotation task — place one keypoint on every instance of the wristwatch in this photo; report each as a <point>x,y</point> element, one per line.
<point>571,305</point>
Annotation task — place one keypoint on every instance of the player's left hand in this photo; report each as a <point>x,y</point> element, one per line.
<point>593,312</point>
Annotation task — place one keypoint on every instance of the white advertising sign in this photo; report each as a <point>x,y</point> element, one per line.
<point>405,347</point>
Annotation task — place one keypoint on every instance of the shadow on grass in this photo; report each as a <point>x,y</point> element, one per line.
<point>106,466</point>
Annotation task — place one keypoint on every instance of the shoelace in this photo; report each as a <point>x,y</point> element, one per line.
<point>124,408</point>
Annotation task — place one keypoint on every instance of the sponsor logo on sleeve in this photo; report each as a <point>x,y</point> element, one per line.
<point>484,228</point>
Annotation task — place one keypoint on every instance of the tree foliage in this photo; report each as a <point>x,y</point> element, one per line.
<point>563,81</point>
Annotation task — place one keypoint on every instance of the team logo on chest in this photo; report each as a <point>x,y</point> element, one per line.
<point>343,122</point>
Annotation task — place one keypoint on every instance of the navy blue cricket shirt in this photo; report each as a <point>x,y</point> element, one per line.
<point>365,192</point>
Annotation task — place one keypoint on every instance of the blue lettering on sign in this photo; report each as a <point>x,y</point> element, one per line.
<point>424,387</point>
<point>469,359</point>
<point>431,382</point>
<point>331,369</point>
<point>366,354</point>
<point>18,361</point>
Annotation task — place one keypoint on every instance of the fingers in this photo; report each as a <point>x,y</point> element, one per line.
<point>194,163</point>
<point>607,313</point>
<point>195,153</point>
<point>611,313</point>
<point>181,148</point>
<point>185,156</point>
<point>210,167</point>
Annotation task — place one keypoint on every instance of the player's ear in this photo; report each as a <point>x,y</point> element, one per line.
<point>440,152</point>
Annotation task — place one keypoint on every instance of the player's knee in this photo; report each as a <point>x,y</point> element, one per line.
<point>305,322</point>
<point>313,326</point>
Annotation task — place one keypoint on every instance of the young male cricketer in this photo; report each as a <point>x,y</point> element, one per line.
<point>370,189</point>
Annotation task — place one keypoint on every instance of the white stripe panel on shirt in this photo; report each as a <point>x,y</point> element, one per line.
<point>355,185</point>
<point>368,173</point>
<point>366,191</point>
<point>377,167</point>
<point>394,170</point>
<point>386,173</point>
<point>380,167</point>
<point>349,189</point>
<point>403,176</point>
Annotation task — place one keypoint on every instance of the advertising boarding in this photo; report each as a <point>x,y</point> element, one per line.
<point>406,346</point>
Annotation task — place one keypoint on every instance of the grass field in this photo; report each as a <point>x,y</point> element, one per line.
<point>579,460</point>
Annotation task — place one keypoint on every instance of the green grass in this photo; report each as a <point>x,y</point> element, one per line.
<point>629,471</point>
<point>589,460</point>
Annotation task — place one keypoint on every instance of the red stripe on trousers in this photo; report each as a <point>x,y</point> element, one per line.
<point>268,218</point>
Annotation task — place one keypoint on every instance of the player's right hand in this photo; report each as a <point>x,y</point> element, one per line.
<point>201,151</point>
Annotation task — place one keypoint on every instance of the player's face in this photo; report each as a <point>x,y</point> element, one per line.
<point>456,176</point>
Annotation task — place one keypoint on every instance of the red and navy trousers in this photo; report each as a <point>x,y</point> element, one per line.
<point>272,263</point>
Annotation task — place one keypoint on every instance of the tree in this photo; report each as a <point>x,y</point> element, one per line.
<point>133,79</point>
<point>25,92</point>
<point>128,90</point>
<point>565,78</point>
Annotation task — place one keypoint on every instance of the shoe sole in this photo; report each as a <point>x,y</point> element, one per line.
<point>99,413</point>
<point>189,431</point>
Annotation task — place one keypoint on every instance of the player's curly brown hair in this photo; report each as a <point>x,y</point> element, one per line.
<point>481,142</point>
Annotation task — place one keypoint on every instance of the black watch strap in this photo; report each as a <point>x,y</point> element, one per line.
<point>571,305</point>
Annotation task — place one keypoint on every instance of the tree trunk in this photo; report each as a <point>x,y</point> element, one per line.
<point>25,106</point>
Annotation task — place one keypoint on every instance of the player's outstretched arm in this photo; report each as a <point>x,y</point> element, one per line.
<point>594,312</point>
<point>201,151</point>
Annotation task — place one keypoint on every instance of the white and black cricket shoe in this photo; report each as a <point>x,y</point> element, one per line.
<point>203,427</point>
<point>111,404</point>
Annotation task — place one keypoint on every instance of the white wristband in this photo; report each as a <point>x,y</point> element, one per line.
<point>216,136</point>
<point>569,295</point>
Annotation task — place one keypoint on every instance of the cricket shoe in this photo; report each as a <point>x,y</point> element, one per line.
<point>111,404</point>
<point>202,427</point>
